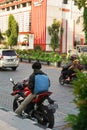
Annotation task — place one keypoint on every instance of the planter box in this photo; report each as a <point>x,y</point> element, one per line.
<point>59,64</point>
<point>25,60</point>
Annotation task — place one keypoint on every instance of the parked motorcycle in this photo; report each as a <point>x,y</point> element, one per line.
<point>40,109</point>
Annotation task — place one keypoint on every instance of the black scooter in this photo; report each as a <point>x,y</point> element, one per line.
<point>63,79</point>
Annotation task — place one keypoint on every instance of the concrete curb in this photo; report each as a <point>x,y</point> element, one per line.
<point>10,121</point>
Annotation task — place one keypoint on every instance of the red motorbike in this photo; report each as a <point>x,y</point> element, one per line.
<point>41,108</point>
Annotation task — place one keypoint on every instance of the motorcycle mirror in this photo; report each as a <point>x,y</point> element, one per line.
<point>11,80</point>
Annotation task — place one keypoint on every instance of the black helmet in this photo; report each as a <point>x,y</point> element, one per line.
<point>73,57</point>
<point>36,65</point>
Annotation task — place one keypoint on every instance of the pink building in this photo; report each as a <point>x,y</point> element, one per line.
<point>34,17</point>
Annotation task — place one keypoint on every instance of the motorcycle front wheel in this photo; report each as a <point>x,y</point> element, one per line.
<point>46,117</point>
<point>61,80</point>
<point>16,102</point>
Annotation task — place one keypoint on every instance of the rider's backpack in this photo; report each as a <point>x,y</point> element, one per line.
<point>42,83</point>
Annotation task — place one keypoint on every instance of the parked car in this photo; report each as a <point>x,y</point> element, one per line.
<point>9,59</point>
<point>80,50</point>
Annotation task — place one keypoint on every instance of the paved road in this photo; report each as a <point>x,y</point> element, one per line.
<point>62,95</point>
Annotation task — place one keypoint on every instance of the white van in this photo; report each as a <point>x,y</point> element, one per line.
<point>9,59</point>
<point>81,49</point>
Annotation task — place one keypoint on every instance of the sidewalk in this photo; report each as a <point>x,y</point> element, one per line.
<point>10,121</point>
<point>5,126</point>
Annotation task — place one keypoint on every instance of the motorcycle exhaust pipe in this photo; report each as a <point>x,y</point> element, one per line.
<point>23,105</point>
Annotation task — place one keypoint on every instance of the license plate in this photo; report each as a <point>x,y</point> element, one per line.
<point>10,60</point>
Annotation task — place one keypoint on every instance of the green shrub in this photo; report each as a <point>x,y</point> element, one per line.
<point>37,48</point>
<point>83,59</point>
<point>57,58</point>
<point>40,55</point>
<point>79,121</point>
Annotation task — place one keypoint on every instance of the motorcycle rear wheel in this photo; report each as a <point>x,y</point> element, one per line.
<point>47,117</point>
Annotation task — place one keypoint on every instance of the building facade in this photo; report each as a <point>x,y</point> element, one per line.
<point>34,17</point>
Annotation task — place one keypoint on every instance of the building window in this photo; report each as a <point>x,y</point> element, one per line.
<point>13,7</point>
<point>24,5</point>
<point>29,26</point>
<point>29,3</point>
<point>8,8</point>
<point>65,1</point>
<point>75,2</point>
<point>30,21</point>
<point>7,2</point>
<point>3,9</point>
<point>18,6</point>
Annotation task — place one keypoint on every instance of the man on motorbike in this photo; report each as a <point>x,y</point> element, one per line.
<point>71,72</point>
<point>66,67</point>
<point>42,82</point>
<point>71,59</point>
<point>38,83</point>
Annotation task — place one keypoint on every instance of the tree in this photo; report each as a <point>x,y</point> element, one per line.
<point>1,37</point>
<point>53,31</point>
<point>12,32</point>
<point>83,4</point>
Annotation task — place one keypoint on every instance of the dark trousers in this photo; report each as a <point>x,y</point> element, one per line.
<point>68,73</point>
